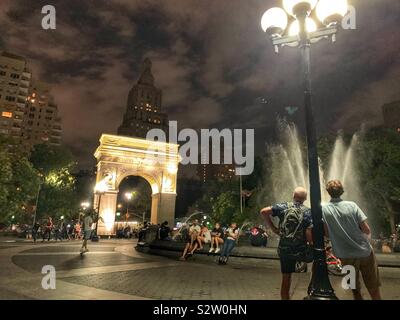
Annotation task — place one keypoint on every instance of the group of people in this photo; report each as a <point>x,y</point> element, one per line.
<point>345,225</point>
<point>199,235</point>
<point>61,230</point>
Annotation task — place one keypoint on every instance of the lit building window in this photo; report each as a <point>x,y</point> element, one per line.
<point>6,114</point>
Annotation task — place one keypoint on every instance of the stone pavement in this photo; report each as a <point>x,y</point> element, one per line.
<point>114,270</point>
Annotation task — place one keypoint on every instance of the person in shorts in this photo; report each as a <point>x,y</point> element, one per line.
<point>191,240</point>
<point>280,210</point>
<point>216,238</point>
<point>87,231</point>
<point>204,236</point>
<point>346,226</point>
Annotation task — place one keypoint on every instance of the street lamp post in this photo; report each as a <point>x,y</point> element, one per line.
<point>302,33</point>
<point>100,189</point>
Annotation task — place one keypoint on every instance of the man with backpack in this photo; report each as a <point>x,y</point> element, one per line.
<point>295,224</point>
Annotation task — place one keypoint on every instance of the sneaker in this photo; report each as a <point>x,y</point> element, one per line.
<point>217,250</point>
<point>211,250</point>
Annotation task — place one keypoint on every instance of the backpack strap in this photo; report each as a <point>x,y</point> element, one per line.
<point>292,205</point>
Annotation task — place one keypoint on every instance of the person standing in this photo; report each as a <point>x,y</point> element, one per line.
<point>295,231</point>
<point>232,235</point>
<point>48,229</point>
<point>347,227</point>
<point>35,231</point>
<point>87,231</point>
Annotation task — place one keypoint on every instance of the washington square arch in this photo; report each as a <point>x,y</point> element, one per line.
<point>130,154</point>
<point>119,157</point>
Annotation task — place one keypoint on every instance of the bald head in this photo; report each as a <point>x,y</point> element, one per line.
<point>300,194</point>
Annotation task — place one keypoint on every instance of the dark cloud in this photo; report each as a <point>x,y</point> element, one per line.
<point>210,58</point>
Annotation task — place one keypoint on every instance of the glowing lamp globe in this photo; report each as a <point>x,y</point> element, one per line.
<point>292,6</point>
<point>329,11</point>
<point>294,28</point>
<point>274,21</point>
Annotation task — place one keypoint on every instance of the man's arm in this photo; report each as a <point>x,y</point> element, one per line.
<point>309,236</point>
<point>267,212</point>
<point>364,226</point>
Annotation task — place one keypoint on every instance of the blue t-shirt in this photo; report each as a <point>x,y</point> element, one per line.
<point>279,209</point>
<point>343,220</point>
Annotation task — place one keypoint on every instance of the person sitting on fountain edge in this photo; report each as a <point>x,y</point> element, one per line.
<point>191,241</point>
<point>295,224</point>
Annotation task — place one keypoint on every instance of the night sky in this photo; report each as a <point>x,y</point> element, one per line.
<point>210,58</point>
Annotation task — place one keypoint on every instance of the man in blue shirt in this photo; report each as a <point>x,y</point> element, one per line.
<point>280,210</point>
<point>346,226</point>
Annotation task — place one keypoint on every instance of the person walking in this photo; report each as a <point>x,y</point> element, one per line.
<point>347,227</point>
<point>87,231</point>
<point>48,229</point>
<point>232,235</point>
<point>35,231</point>
<point>295,232</point>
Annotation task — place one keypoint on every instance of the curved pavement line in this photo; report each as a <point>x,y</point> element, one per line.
<point>16,279</point>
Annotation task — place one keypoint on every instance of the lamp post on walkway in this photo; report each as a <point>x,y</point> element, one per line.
<point>302,32</point>
<point>100,189</point>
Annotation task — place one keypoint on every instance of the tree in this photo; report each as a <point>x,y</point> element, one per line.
<point>19,183</point>
<point>57,195</point>
<point>379,165</point>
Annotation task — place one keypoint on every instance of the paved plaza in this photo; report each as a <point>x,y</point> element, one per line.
<point>113,269</point>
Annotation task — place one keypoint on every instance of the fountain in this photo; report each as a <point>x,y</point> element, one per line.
<point>289,167</point>
<point>184,224</point>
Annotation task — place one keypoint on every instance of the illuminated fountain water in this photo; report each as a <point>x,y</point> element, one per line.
<point>185,223</point>
<point>289,166</point>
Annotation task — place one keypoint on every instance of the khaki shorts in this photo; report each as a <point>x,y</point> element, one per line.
<point>369,271</point>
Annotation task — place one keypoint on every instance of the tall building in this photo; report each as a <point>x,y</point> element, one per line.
<point>216,172</point>
<point>15,79</point>
<point>42,123</point>
<point>391,115</point>
<point>143,110</point>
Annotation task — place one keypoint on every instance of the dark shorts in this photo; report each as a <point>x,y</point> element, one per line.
<point>288,264</point>
<point>87,234</point>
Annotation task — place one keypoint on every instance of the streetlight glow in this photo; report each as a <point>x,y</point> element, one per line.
<point>290,5</point>
<point>85,204</point>
<point>274,21</point>
<point>294,28</point>
<point>128,195</point>
<point>328,11</point>
<point>101,187</point>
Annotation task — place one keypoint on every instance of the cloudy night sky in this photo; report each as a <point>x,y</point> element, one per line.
<point>210,58</point>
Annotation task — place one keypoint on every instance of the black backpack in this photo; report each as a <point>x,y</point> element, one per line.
<point>292,236</point>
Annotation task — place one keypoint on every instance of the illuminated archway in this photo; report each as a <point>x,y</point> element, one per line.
<point>119,157</point>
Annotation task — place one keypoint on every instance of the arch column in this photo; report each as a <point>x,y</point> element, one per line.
<point>163,208</point>
<point>107,210</point>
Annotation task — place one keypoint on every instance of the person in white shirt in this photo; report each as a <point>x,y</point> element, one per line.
<point>191,242</point>
<point>204,236</point>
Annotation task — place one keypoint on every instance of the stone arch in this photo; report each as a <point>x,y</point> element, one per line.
<point>119,157</point>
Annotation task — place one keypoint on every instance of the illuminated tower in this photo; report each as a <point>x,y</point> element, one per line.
<point>143,110</point>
